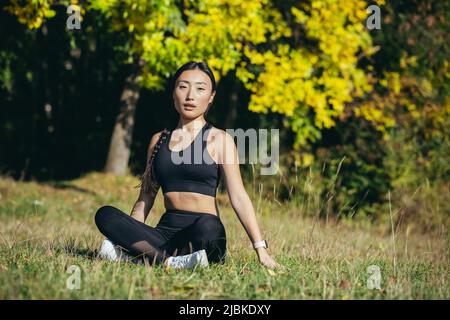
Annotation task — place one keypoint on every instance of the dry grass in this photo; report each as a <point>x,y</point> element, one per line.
<point>45,228</point>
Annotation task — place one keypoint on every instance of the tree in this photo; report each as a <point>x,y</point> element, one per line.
<point>300,59</point>
<point>166,34</point>
<point>162,35</point>
<point>313,76</point>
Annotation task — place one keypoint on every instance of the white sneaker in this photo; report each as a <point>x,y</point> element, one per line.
<point>110,251</point>
<point>198,258</point>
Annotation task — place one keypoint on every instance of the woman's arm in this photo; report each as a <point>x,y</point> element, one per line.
<point>240,201</point>
<point>145,201</point>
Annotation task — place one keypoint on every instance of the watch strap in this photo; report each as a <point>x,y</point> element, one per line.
<point>260,244</point>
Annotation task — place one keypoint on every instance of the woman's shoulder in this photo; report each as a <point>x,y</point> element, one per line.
<point>155,138</point>
<point>222,134</point>
<point>216,134</point>
<point>223,141</point>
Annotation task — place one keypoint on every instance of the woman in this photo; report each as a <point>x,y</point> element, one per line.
<point>190,232</point>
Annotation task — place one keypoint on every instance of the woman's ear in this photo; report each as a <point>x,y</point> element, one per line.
<point>211,99</point>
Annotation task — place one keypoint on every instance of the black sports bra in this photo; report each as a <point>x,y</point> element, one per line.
<point>188,170</point>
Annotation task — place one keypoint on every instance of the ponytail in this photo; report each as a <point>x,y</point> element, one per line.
<point>148,181</point>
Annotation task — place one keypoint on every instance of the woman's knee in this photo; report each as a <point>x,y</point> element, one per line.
<point>210,235</point>
<point>209,227</point>
<point>103,215</point>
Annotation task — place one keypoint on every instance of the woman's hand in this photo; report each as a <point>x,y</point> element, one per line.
<point>266,260</point>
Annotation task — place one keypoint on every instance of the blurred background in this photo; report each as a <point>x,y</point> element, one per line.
<point>363,112</point>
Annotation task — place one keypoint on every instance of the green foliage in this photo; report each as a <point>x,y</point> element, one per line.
<point>6,73</point>
<point>33,13</point>
<point>310,82</point>
<point>165,34</point>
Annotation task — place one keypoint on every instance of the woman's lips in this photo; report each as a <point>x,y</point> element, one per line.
<point>188,106</point>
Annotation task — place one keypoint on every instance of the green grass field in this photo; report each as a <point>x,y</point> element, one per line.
<point>47,228</point>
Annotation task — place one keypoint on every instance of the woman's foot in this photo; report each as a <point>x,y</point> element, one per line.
<point>198,258</point>
<point>109,251</point>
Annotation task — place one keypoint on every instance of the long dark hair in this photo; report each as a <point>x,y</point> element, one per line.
<point>148,182</point>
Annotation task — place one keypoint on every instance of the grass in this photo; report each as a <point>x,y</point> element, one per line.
<point>47,227</point>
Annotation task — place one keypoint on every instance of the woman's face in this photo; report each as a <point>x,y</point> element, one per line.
<point>192,93</point>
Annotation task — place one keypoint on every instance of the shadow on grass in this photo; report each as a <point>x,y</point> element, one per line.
<point>76,251</point>
<point>84,252</point>
<point>67,186</point>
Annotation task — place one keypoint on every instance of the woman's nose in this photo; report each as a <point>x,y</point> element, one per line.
<point>189,95</point>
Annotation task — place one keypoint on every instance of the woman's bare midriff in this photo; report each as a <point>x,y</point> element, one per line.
<point>190,201</point>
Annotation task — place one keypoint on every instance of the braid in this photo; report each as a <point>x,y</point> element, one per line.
<point>148,181</point>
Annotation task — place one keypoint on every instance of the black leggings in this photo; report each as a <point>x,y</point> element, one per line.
<point>178,232</point>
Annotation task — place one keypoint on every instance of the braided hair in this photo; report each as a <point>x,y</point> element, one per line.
<point>148,181</point>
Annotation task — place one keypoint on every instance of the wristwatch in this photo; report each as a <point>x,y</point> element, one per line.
<point>260,244</point>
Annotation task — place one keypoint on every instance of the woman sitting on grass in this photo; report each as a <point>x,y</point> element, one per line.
<point>190,232</point>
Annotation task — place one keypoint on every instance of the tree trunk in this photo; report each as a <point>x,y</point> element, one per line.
<point>119,149</point>
<point>230,120</point>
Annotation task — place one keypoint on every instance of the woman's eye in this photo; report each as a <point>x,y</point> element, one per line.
<point>201,89</point>
<point>182,87</point>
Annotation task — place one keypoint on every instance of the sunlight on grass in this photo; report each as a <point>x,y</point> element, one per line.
<point>47,227</point>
